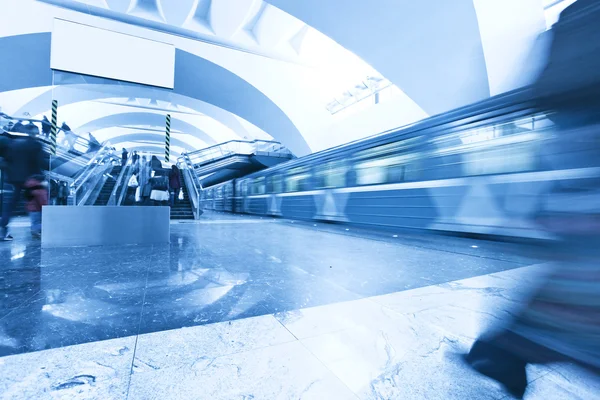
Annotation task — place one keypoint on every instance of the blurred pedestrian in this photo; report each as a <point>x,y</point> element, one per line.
<point>561,322</point>
<point>124,156</point>
<point>24,158</point>
<point>36,194</point>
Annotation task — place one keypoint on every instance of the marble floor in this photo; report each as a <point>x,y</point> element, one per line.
<point>238,307</point>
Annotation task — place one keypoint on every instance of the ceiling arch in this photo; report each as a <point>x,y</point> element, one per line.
<point>195,77</point>
<point>71,94</point>
<point>431,49</point>
<point>151,137</point>
<point>146,119</point>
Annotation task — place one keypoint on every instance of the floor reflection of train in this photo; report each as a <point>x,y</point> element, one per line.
<point>479,169</point>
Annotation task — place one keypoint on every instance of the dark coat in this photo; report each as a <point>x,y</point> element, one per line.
<point>46,126</point>
<point>174,179</point>
<point>24,158</point>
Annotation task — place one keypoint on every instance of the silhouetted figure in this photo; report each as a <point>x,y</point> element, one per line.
<point>46,126</point>
<point>156,165</point>
<point>561,323</point>
<point>18,127</point>
<point>174,183</point>
<point>124,156</point>
<point>24,158</point>
<point>70,136</point>
<point>31,129</point>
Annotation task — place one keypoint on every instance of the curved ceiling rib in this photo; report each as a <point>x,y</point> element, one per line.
<point>431,49</point>
<point>145,119</point>
<point>144,137</point>
<point>195,77</point>
<point>72,94</point>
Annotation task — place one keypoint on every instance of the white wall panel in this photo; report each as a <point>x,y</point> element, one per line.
<point>93,51</point>
<point>509,29</point>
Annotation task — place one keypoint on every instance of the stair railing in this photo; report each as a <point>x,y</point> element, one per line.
<point>192,184</point>
<point>84,186</point>
<point>121,184</point>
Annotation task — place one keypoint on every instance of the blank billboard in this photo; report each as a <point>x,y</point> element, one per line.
<point>98,52</point>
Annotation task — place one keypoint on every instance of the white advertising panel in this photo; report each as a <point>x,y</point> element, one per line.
<point>98,52</point>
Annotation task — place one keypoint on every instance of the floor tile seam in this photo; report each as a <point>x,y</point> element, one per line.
<point>21,305</point>
<point>234,353</point>
<point>226,354</point>
<point>137,336</point>
<point>386,240</point>
<point>371,298</point>
<point>330,332</point>
<point>328,369</point>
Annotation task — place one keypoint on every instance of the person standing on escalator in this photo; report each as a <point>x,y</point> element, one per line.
<point>174,184</point>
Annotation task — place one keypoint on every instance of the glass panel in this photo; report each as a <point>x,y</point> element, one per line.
<point>331,175</point>
<point>258,186</point>
<point>297,180</point>
<point>277,184</point>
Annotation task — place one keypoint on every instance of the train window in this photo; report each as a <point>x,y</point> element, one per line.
<point>258,186</point>
<point>244,186</point>
<point>297,180</point>
<point>399,147</point>
<point>500,159</point>
<point>276,183</point>
<point>400,168</point>
<point>370,172</point>
<point>331,174</point>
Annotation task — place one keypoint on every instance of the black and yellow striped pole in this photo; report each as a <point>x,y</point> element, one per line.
<point>168,139</point>
<point>54,128</point>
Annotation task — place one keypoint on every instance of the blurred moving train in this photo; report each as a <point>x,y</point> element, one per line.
<point>489,168</point>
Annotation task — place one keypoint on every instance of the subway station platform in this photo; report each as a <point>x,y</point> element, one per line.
<point>241,307</point>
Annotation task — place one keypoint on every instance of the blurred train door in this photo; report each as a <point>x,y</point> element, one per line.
<point>233,197</point>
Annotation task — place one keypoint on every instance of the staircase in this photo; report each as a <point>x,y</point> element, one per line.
<point>183,208</point>
<point>108,187</point>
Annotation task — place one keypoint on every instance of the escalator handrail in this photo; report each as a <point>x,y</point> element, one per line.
<point>191,182</point>
<point>103,158</point>
<point>130,171</point>
<point>112,200</point>
<point>103,155</point>
<point>95,178</point>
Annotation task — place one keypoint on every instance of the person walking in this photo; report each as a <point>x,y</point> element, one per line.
<point>124,156</point>
<point>36,193</point>
<point>24,158</point>
<point>561,322</point>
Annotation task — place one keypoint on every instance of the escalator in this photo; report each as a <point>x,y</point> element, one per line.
<point>108,187</point>
<point>235,159</point>
<point>183,209</point>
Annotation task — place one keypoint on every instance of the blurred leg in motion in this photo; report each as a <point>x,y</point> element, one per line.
<point>560,324</point>
<point>10,205</point>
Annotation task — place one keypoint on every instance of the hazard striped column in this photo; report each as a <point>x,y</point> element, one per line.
<point>54,128</point>
<point>168,139</point>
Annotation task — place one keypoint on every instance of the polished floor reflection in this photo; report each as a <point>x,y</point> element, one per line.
<point>253,308</point>
<point>394,346</point>
<point>222,268</point>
